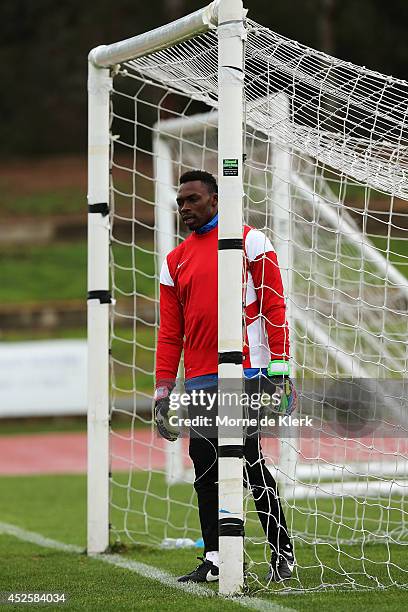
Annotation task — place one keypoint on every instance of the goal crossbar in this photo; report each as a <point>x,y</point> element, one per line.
<point>160,38</point>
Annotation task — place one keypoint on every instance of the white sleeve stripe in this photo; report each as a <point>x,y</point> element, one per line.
<point>165,278</point>
<point>256,244</point>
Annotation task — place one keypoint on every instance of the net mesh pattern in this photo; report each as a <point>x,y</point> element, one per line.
<point>325,179</point>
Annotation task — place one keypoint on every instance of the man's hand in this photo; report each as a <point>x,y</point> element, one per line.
<point>278,375</point>
<point>288,396</point>
<point>161,411</point>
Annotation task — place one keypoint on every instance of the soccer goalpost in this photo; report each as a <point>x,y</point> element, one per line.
<point>311,150</point>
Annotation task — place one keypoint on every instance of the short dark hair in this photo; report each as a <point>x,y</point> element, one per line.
<point>200,175</point>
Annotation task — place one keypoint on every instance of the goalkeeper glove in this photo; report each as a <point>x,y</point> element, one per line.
<point>278,373</point>
<point>161,413</point>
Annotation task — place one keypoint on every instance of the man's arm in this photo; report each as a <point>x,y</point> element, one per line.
<point>169,347</point>
<point>171,331</point>
<point>266,275</point>
<point>263,265</point>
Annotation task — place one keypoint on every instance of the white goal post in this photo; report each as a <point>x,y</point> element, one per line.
<point>228,16</point>
<point>318,148</point>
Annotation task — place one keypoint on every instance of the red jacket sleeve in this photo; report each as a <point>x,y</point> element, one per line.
<point>171,334</point>
<point>269,290</point>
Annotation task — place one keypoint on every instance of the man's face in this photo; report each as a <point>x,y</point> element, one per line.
<point>195,204</point>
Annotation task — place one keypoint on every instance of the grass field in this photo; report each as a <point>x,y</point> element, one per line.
<point>54,506</point>
<point>56,185</point>
<point>58,272</point>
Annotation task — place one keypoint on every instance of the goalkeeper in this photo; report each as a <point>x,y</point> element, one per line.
<point>189,320</point>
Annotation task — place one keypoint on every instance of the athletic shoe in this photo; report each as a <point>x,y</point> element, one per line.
<point>281,567</point>
<point>205,572</point>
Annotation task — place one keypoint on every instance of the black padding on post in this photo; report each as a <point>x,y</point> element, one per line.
<point>230,357</point>
<point>104,297</point>
<point>231,450</point>
<point>225,244</point>
<point>232,527</point>
<point>101,207</point>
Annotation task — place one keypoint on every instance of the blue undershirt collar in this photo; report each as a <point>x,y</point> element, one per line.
<point>208,226</point>
<point>211,380</point>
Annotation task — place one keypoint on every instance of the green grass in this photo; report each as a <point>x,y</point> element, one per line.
<point>59,272</point>
<point>398,251</point>
<point>89,584</point>
<point>54,506</point>
<point>20,335</point>
<point>64,424</point>
<point>62,201</point>
<point>43,273</point>
<point>134,269</point>
<point>57,185</point>
<point>39,425</point>
<point>317,518</point>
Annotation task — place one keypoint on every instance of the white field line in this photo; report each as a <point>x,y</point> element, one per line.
<point>142,569</point>
<point>37,538</point>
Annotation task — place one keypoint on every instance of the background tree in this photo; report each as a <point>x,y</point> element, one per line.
<point>44,46</point>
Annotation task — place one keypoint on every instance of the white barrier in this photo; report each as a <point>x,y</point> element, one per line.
<point>43,378</point>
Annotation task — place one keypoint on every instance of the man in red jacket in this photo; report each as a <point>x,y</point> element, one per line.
<point>189,321</point>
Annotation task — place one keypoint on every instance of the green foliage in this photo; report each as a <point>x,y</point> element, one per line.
<point>44,46</point>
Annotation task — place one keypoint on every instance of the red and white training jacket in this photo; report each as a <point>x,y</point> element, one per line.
<point>189,306</point>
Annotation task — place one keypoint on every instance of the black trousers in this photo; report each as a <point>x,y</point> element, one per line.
<point>203,451</point>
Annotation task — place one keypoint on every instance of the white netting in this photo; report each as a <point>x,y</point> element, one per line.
<point>326,155</point>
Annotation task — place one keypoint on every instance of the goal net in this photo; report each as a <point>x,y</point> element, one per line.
<point>325,178</point>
